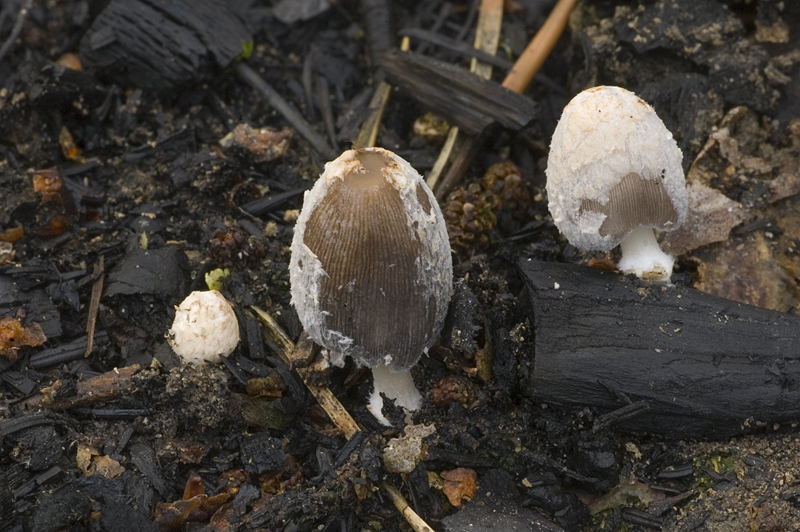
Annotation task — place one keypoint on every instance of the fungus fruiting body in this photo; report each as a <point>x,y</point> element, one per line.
<point>205,328</point>
<point>371,271</point>
<point>614,175</point>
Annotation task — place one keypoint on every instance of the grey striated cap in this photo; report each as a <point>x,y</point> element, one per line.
<point>613,167</point>
<point>371,270</point>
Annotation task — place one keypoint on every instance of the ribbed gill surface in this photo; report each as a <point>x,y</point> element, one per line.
<point>361,236</point>
<point>634,202</point>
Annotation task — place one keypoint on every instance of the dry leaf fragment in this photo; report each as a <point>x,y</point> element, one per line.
<point>461,483</point>
<point>710,217</point>
<point>91,463</point>
<point>265,143</point>
<point>402,455</point>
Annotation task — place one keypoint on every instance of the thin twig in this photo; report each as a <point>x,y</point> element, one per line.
<point>287,110</point>
<point>94,303</point>
<point>17,29</point>
<point>338,414</point>
<point>416,522</point>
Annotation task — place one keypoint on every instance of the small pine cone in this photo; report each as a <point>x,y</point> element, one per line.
<point>503,183</point>
<point>469,218</point>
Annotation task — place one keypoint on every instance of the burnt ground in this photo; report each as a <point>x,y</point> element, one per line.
<point>126,435</point>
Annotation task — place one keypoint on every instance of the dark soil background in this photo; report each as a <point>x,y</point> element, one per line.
<point>127,438</point>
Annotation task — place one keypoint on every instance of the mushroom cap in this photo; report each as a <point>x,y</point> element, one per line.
<point>613,167</point>
<point>371,270</point>
<point>205,328</point>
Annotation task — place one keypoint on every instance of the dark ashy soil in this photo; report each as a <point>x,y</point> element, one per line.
<point>118,173</point>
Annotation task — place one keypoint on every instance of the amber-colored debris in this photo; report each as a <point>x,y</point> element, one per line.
<point>606,263</point>
<point>12,235</point>
<point>197,508</point>
<point>57,209</point>
<point>14,336</point>
<point>265,143</point>
<point>234,249</point>
<point>50,185</point>
<point>461,483</point>
<point>453,388</point>
<point>68,147</point>
<point>71,61</point>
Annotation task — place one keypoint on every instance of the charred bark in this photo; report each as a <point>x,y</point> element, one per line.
<point>693,365</point>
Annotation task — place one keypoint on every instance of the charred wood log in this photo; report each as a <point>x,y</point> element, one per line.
<point>457,95</point>
<point>688,364</point>
<point>158,45</point>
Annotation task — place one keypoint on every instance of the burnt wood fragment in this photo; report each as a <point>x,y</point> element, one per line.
<point>159,272</point>
<point>161,45</point>
<point>457,95</point>
<point>145,460</point>
<point>36,303</point>
<point>66,352</point>
<point>706,367</point>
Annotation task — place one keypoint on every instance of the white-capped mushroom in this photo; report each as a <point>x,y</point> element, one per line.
<point>371,270</point>
<point>614,175</point>
<point>205,328</point>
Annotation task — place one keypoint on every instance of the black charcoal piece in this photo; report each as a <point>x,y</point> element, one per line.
<point>60,509</point>
<point>459,329</point>
<point>261,453</point>
<point>158,272</point>
<point>159,46</point>
<point>41,446</point>
<point>144,458</point>
<point>36,303</point>
<point>118,517</point>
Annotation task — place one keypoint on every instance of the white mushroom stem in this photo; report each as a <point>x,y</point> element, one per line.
<point>397,386</point>
<point>641,255</point>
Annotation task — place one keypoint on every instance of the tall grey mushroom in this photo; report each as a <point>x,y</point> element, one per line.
<point>614,175</point>
<point>371,270</point>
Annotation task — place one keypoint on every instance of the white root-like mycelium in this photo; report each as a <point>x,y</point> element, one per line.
<point>205,328</point>
<point>614,175</point>
<point>371,270</point>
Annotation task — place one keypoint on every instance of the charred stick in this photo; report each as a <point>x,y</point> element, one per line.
<point>377,16</point>
<point>457,47</point>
